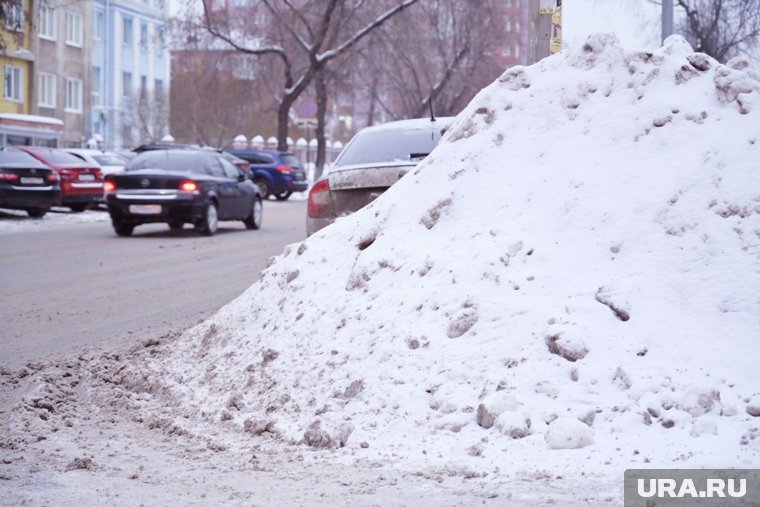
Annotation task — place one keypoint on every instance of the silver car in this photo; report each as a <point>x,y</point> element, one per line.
<point>376,158</point>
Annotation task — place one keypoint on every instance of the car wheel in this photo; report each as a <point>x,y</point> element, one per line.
<point>257,212</point>
<point>210,221</point>
<point>283,196</point>
<point>176,226</point>
<point>263,187</point>
<point>36,212</point>
<point>123,229</point>
<point>78,207</point>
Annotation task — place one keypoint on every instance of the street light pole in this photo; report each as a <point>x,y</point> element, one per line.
<point>667,19</point>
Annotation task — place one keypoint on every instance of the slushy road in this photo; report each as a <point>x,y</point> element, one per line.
<point>81,286</point>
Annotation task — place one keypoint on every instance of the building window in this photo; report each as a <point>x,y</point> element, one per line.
<point>47,89</point>
<point>96,86</point>
<point>126,27</point>
<point>73,95</point>
<point>98,29</point>
<point>160,38</point>
<point>14,82</point>
<point>126,84</point>
<point>74,29</point>
<point>143,86</point>
<point>509,25</point>
<point>144,36</point>
<point>516,51</point>
<point>15,18</point>
<point>158,87</point>
<point>47,23</point>
<point>517,25</point>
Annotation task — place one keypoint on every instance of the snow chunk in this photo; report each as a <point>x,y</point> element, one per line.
<point>568,433</point>
<point>753,407</point>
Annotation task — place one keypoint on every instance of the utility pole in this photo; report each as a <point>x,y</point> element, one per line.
<point>667,19</point>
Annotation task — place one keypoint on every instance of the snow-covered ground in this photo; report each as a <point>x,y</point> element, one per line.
<point>566,288</point>
<point>18,221</point>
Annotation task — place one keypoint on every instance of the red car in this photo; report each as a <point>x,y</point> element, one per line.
<point>81,183</point>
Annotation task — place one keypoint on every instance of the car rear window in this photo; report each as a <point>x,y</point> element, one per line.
<point>13,157</point>
<point>398,145</point>
<point>291,160</point>
<point>59,157</point>
<point>107,159</point>
<point>254,158</point>
<point>173,161</point>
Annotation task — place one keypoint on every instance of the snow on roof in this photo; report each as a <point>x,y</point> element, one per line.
<point>31,118</point>
<point>575,265</point>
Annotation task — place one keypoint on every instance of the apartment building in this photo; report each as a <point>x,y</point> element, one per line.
<point>84,70</point>
<point>17,61</point>
<point>63,76</point>
<point>130,72</point>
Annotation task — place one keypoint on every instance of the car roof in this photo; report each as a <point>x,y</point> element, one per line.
<point>90,151</point>
<point>412,124</point>
<point>253,150</point>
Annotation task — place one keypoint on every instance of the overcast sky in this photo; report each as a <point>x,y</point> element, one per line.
<point>635,22</point>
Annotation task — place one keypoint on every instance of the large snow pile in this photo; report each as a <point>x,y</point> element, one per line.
<point>576,266</point>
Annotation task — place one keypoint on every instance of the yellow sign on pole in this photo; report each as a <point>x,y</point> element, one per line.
<point>555,40</point>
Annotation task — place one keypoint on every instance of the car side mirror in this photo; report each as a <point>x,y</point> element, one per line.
<point>241,177</point>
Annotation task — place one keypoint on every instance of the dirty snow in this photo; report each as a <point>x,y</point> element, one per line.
<point>566,288</point>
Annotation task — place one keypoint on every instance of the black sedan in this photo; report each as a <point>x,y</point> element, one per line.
<point>181,186</point>
<point>26,183</point>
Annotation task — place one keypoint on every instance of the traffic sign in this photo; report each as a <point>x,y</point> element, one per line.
<point>307,109</point>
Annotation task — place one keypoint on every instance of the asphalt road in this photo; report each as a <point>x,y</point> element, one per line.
<point>81,286</point>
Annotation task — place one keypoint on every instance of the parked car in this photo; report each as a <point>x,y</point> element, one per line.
<point>238,162</point>
<point>108,161</point>
<point>275,172</point>
<point>178,187</point>
<point>81,182</point>
<point>371,162</point>
<point>26,183</point>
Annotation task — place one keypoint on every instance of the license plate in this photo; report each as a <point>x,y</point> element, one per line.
<point>145,209</point>
<point>86,177</point>
<point>31,181</point>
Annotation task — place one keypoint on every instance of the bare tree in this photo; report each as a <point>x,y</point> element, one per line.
<point>215,96</point>
<point>12,22</point>
<point>440,52</point>
<point>151,115</point>
<point>721,28</point>
<point>306,36</point>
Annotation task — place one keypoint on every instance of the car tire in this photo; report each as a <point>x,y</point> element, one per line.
<point>36,212</point>
<point>122,229</point>
<point>257,212</point>
<point>263,187</point>
<point>176,226</point>
<point>209,224</point>
<point>283,196</point>
<point>78,207</point>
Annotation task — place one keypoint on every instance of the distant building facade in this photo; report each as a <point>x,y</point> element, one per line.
<point>130,72</point>
<point>60,87</point>
<point>74,71</point>
<point>17,60</point>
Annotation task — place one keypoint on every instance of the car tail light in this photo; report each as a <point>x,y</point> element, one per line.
<point>284,169</point>
<point>98,174</point>
<point>320,201</point>
<point>188,186</point>
<point>8,177</point>
<point>67,174</point>
<point>52,177</point>
<point>109,186</point>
